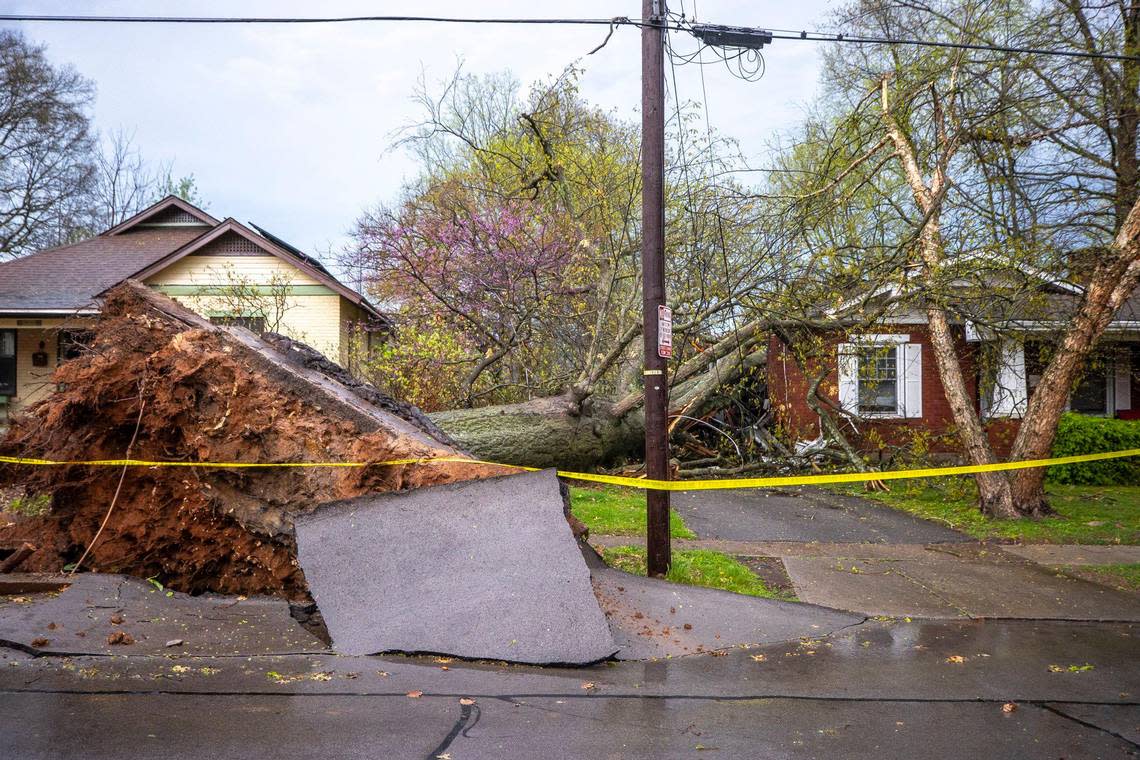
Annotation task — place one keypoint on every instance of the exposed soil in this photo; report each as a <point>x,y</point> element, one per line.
<point>206,394</point>
<point>771,570</point>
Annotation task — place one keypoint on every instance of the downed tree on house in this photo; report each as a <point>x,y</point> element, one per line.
<point>162,383</point>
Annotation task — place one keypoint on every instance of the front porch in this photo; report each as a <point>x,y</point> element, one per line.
<point>30,350</point>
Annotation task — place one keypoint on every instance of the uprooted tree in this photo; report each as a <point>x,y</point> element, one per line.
<point>159,382</point>
<point>513,262</point>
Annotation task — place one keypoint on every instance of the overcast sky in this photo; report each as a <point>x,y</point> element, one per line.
<point>290,126</point>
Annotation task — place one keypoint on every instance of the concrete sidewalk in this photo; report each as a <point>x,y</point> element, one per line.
<point>963,580</point>
<point>852,554</point>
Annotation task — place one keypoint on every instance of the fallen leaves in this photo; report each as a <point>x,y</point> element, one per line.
<point>955,659</point>
<point>760,657</point>
<point>120,638</point>
<point>414,694</point>
<point>589,685</point>
<point>40,641</point>
<point>1008,707</point>
<point>466,701</point>
<point>1071,668</point>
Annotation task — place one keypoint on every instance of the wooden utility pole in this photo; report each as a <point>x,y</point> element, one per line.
<point>654,312</point>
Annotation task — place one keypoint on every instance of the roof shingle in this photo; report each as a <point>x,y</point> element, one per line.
<point>68,278</point>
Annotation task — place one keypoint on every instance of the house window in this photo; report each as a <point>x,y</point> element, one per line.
<point>253,324</point>
<point>881,376</point>
<point>1091,394</point>
<point>878,380</point>
<point>7,362</point>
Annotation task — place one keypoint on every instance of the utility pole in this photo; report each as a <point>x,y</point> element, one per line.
<point>656,315</point>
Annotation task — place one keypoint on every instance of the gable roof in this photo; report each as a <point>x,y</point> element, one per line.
<point>171,211</point>
<point>300,261</point>
<point>69,279</point>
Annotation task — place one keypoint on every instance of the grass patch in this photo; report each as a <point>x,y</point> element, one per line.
<point>696,567</point>
<point>614,511</point>
<point>1085,514</point>
<point>1126,577</point>
<point>30,506</point>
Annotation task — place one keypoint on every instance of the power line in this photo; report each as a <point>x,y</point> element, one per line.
<point>759,32</point>
<point>615,21</point>
<point>805,36</point>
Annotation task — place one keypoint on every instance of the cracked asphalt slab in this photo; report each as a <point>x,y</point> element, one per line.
<point>877,689</point>
<point>483,568</point>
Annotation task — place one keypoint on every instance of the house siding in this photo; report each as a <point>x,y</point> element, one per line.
<point>788,386</point>
<point>311,313</point>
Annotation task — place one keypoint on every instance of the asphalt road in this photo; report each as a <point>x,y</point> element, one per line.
<point>881,689</point>
<point>803,515</point>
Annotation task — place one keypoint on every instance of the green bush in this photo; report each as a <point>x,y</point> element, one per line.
<point>1078,434</point>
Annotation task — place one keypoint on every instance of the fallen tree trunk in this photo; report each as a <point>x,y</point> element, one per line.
<point>556,432</point>
<point>546,432</point>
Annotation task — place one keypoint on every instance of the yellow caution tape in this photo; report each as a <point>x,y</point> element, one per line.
<point>618,480</point>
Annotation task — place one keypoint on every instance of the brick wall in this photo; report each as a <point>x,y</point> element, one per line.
<point>787,389</point>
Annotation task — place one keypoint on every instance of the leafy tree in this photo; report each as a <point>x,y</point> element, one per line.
<point>522,233</point>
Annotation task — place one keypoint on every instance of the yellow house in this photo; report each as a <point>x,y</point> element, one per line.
<point>221,269</point>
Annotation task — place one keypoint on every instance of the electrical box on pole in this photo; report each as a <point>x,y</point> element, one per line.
<point>656,315</point>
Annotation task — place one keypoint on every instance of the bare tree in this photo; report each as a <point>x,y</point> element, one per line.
<point>46,166</point>
<point>124,182</point>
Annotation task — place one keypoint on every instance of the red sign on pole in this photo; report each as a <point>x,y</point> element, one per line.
<point>664,332</point>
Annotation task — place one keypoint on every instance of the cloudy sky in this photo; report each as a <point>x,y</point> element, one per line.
<point>291,126</point>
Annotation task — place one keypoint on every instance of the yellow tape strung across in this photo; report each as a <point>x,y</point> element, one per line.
<point>617,480</point>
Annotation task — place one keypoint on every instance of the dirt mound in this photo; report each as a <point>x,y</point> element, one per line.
<point>198,392</point>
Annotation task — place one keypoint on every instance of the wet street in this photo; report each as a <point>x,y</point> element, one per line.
<point>881,688</point>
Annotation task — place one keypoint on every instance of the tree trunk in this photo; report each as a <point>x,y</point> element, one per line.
<point>1110,286</point>
<point>558,432</point>
<point>546,432</point>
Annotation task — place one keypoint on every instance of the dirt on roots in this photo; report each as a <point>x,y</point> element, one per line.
<point>201,393</point>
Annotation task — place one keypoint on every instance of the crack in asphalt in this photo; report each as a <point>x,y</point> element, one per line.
<point>1059,712</point>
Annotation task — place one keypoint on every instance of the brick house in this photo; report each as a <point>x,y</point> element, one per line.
<point>221,269</point>
<point>884,388</point>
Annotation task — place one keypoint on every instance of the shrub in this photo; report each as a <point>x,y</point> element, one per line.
<point>1078,434</point>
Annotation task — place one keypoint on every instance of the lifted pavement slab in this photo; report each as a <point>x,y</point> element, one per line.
<point>80,620</point>
<point>656,618</point>
<point>482,569</point>
<point>803,515</point>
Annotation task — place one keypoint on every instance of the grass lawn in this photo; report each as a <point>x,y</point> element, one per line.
<point>1085,514</point>
<point>615,511</point>
<point>696,567</point>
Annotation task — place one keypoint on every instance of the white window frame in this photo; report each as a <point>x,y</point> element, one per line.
<point>908,361</point>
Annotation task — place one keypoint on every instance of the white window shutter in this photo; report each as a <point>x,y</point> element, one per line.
<point>1123,380</point>
<point>910,398</point>
<point>848,378</point>
<point>1010,394</point>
